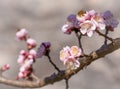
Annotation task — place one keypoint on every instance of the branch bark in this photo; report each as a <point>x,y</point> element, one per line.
<point>85,61</point>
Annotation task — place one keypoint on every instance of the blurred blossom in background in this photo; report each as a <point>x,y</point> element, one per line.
<point>43,19</point>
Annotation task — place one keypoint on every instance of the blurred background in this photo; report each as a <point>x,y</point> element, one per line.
<point>44,19</point>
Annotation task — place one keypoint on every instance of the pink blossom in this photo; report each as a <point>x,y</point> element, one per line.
<point>22,34</point>
<point>71,25</point>
<point>70,56</point>
<point>24,74</point>
<point>22,68</point>
<point>21,59</point>
<point>64,54</point>
<point>98,20</point>
<point>23,52</point>
<point>21,75</point>
<point>91,13</point>
<point>26,60</point>
<point>75,51</point>
<point>87,27</point>
<point>33,53</point>
<point>29,63</point>
<point>82,16</point>
<point>31,43</point>
<point>25,69</point>
<point>6,67</point>
<point>67,28</point>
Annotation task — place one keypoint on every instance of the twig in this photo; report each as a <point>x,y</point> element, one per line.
<point>35,77</point>
<point>54,65</point>
<point>79,36</point>
<point>104,36</point>
<point>67,83</point>
<point>106,32</point>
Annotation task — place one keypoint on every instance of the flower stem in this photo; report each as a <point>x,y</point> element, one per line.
<point>105,42</point>
<point>79,36</point>
<point>104,36</point>
<point>54,65</point>
<point>67,83</point>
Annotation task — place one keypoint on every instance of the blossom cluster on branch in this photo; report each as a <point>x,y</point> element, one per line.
<point>87,22</point>
<point>84,23</point>
<point>27,57</point>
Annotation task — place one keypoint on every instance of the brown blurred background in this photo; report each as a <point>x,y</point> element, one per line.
<point>44,19</point>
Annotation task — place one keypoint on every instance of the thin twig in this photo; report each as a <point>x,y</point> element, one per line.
<point>79,40</point>
<point>104,36</point>
<point>35,77</point>
<point>105,42</point>
<point>67,83</point>
<point>54,65</point>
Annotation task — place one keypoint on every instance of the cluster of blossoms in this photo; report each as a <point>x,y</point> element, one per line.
<point>69,56</point>
<point>26,58</point>
<point>87,22</point>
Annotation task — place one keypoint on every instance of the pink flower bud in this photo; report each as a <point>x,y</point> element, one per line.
<point>67,29</point>
<point>23,52</point>
<point>21,59</point>
<point>6,67</point>
<point>23,68</point>
<point>29,63</point>
<point>21,34</point>
<point>31,43</point>
<point>33,53</point>
<point>21,75</point>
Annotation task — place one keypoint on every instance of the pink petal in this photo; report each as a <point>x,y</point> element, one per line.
<point>101,26</point>
<point>89,33</point>
<point>83,31</point>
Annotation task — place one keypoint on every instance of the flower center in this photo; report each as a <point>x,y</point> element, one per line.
<point>62,55</point>
<point>74,50</point>
<point>86,26</point>
<point>97,18</point>
<point>81,13</point>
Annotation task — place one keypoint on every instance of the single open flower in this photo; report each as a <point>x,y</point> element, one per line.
<point>75,51</point>
<point>69,56</point>
<point>98,20</point>
<point>82,16</point>
<point>87,27</point>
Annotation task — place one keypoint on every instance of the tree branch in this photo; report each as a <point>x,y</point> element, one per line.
<point>85,61</point>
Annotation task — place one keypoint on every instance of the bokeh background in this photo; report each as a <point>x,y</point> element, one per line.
<point>44,19</point>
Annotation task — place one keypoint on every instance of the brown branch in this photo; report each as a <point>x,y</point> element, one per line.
<point>103,51</point>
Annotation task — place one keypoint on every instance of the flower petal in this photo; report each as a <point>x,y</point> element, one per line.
<point>101,26</point>
<point>83,30</point>
<point>90,33</point>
